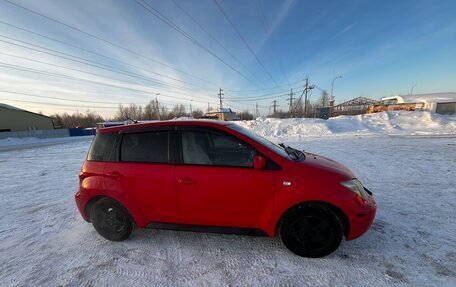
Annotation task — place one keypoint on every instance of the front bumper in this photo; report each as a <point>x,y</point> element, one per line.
<point>361,217</point>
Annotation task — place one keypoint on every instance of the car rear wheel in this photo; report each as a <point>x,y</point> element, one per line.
<point>311,231</point>
<point>111,220</point>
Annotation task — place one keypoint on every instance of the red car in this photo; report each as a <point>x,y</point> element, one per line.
<point>218,177</point>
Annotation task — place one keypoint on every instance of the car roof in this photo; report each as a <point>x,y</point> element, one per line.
<point>181,122</point>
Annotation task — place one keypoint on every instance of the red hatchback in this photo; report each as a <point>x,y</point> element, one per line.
<point>216,176</point>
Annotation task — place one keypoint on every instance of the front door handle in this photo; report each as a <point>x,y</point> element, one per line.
<point>187,181</point>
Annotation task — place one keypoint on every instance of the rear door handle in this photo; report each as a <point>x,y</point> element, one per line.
<point>187,181</point>
<point>114,174</point>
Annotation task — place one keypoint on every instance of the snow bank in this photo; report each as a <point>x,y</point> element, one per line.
<point>391,123</point>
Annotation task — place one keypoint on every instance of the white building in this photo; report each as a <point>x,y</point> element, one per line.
<point>226,115</point>
<point>441,103</point>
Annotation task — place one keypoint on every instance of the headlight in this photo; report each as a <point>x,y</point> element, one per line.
<point>357,187</point>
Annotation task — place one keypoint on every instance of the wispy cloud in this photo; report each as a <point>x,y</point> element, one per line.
<point>369,41</point>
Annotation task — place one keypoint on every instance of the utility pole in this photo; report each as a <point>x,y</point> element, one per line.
<point>257,112</point>
<point>222,114</point>
<point>411,90</point>
<point>157,108</point>
<point>274,107</point>
<point>304,93</point>
<point>306,89</point>
<point>191,112</point>
<point>305,97</point>
<point>291,103</point>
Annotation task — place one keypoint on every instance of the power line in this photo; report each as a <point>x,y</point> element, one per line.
<point>262,89</point>
<point>59,105</point>
<point>273,94</point>
<point>67,68</point>
<point>232,106</point>
<point>211,36</point>
<point>257,96</point>
<point>71,100</point>
<point>86,62</point>
<point>64,99</point>
<point>245,42</point>
<point>262,98</point>
<point>22,68</point>
<point>104,40</point>
<point>165,20</point>
<point>55,65</point>
<point>77,70</point>
<point>91,52</point>
<point>320,89</point>
<point>274,43</point>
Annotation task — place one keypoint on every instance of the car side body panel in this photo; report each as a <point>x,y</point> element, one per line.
<point>223,196</point>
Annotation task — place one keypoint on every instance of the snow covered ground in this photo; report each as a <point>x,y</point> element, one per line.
<point>23,143</point>
<point>44,241</point>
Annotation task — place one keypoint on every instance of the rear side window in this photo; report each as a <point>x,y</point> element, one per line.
<point>102,146</point>
<point>150,147</point>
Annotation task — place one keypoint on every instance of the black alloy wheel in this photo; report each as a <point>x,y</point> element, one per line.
<point>111,220</point>
<point>313,231</point>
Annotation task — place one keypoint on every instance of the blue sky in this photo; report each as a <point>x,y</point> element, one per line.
<point>118,52</point>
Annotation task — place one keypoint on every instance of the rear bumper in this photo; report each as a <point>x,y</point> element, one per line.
<point>361,218</point>
<point>81,202</point>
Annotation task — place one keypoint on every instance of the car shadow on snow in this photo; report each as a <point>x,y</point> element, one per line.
<point>225,243</point>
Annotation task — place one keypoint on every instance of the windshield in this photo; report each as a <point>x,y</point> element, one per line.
<point>259,139</point>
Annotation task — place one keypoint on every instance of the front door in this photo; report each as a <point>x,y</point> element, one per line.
<point>217,184</point>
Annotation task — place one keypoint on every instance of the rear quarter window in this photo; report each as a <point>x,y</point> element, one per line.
<point>149,147</point>
<point>102,146</point>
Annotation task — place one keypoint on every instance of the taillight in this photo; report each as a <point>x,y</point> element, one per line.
<point>83,175</point>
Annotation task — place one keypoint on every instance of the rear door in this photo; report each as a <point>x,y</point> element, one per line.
<point>144,174</point>
<point>217,184</point>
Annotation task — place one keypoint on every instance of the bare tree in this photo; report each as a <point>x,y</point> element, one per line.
<point>245,115</point>
<point>324,99</point>
<point>87,120</point>
<point>131,112</point>
<point>149,111</point>
<point>177,111</point>
<point>198,113</point>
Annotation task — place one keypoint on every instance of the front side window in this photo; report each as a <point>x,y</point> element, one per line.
<point>214,148</point>
<point>148,147</point>
<point>259,139</point>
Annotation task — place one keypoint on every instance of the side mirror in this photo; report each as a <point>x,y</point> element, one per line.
<point>259,162</point>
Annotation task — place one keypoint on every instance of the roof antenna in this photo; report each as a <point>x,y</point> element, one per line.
<point>128,118</point>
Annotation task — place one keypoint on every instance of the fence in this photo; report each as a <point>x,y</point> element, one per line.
<point>59,133</point>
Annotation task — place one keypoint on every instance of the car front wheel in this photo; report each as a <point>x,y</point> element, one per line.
<point>111,220</point>
<point>311,231</point>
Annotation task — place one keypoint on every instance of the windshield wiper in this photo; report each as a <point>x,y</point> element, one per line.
<point>295,154</point>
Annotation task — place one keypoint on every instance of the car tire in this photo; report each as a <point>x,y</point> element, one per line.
<point>311,231</point>
<point>111,220</point>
